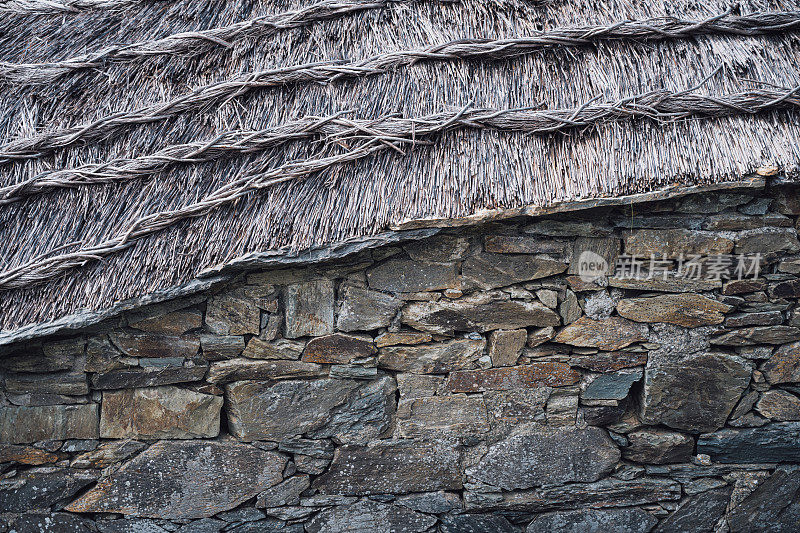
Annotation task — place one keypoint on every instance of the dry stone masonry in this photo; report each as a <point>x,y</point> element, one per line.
<point>475,381</point>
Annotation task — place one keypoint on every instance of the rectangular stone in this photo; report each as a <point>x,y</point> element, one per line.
<point>403,275</point>
<point>50,357</point>
<point>219,347</point>
<point>364,310</point>
<point>241,369</point>
<point>658,283</point>
<point>457,415</point>
<point>147,377</point>
<point>548,373</point>
<point>21,425</point>
<point>174,323</point>
<point>758,335</point>
<point>490,271</point>
<point>309,309</point>
<point>774,443</point>
<point>606,248</point>
<point>436,358</point>
<point>523,244</point>
<point>672,243</point>
<point>233,313</point>
<point>69,383</point>
<point>505,346</point>
<point>136,344</point>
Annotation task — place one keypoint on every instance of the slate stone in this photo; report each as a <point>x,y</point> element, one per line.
<point>219,347</point>
<point>611,386</point>
<point>507,409</point>
<point>159,413</point>
<point>505,346</point>
<point>490,271</point>
<point>779,405</point>
<point>21,425</point>
<point>403,275</point>
<point>758,335</point>
<point>338,349</point>
<point>364,309</point>
<point>351,410</point>
<point>233,313</point>
<point>68,383</point>
<point>699,513</point>
<point>42,488</point>
<point>393,467</point>
<point>35,400</point>
<point>129,526</point>
<point>610,334</point>
<point>524,244</point>
<point>475,523</point>
<point>436,358</point>
<point>767,240</point>
<point>241,369</point>
<point>310,465</point>
<point>609,361</point>
<point>26,455</point>
<point>286,492</point>
<point>540,336</point>
<point>695,393</point>
<point>367,516</point>
<point>772,506</point>
<point>320,449</point>
<point>481,312</point>
<point>431,502</point>
<point>438,249</point>
<point>627,520</point>
<point>606,249</point>
<point>767,318</point>
<point>456,416</point>
<point>417,386</point>
<point>548,373</point>
<point>148,377</point>
<point>688,310</point>
<point>402,337</point>
<point>52,523</point>
<point>183,480</point>
<point>205,525</point>
<point>569,308</point>
<point>658,446</point>
<point>772,443</point>
<point>785,289</point>
<point>549,456</point>
<point>279,349</point>
<point>102,356</point>
<point>603,415</point>
<point>672,243</point>
<point>670,284</point>
<point>107,454</point>
<point>50,357</point>
<point>175,323</point>
<point>743,286</point>
<point>784,365</point>
<point>569,228</point>
<point>309,309</point>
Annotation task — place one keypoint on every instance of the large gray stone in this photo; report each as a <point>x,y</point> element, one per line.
<point>50,357</point>
<point>52,523</point>
<point>350,410</point>
<point>286,492</point>
<point>614,386</point>
<point>612,333</point>
<point>159,413</point>
<point>658,446</point>
<point>524,244</point>
<point>402,275</point>
<point>534,375</point>
<point>20,425</point>
<point>674,243</point>
<point>367,516</point>
<point>490,271</point>
<point>484,311</point>
<point>758,335</point>
<point>438,249</point>
<point>242,369</point>
<point>767,240</point>
<point>396,467</point>
<point>309,309</point>
<point>699,513</point>
<point>43,488</point>
<point>688,310</point>
<point>784,365</point>
<point>476,523</point>
<point>693,393</point>
<point>364,309</point>
<point>279,349</point>
<point>549,456</point>
<point>136,344</point>
<point>107,454</point>
<point>628,520</point>
<point>233,313</point>
<point>433,358</point>
<point>431,502</point>
<point>772,506</point>
<point>148,377</point>
<point>68,383</point>
<point>772,443</point>
<point>184,479</point>
<point>174,323</point>
<point>457,415</point>
<point>218,347</point>
<point>338,349</point>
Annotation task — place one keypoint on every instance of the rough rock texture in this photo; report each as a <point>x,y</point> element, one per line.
<point>338,349</point>
<point>505,346</point>
<point>368,516</point>
<point>688,310</point>
<point>630,520</point>
<point>528,376</point>
<point>489,271</point>
<point>398,275</point>
<point>779,405</point>
<point>777,442</point>
<point>309,309</point>
<point>20,425</point>
<point>658,446</point>
<point>184,479</point>
<point>699,513</point>
<point>442,415</point>
<point>772,506</point>
<point>40,488</point>
<point>612,333</point>
<point>363,309</point>
<point>784,365</point>
<point>673,243</point>
<point>432,359</point>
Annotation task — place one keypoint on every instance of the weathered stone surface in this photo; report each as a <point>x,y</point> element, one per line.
<point>606,249</point>
<point>396,467</point>
<point>569,228</point>
<point>772,443</point>
<point>489,271</point>
<point>102,356</point>
<point>309,309</point>
<point>403,275</point>
<point>21,425</point>
<point>338,349</point>
<point>148,377</point>
<point>767,240</point>
<point>477,312</point>
<point>175,323</point>
<point>52,523</point>
<point>367,516</point>
<point>523,244</point>
<point>562,407</point>
<point>402,337</point>
<point>184,479</point>
<point>233,313</point>
<point>363,309</point>
<point>779,405</point>
<point>609,361</point>
<point>547,457</point>
<point>136,344</point>
<point>743,286</point>
<point>476,523</point>
<point>784,365</point>
<point>438,249</point>
<point>43,487</point>
<point>672,243</point>
<point>540,336</point>
<point>772,506</point>
<point>279,349</point>
<point>688,310</point>
<point>505,346</point>
<point>286,492</point>
<point>242,369</point>
<point>219,347</point>
<point>670,284</point>
<point>432,359</point>
<point>348,409</point>
<point>612,333</point>
<point>50,357</point>
<point>129,525</point>
<point>69,383</point>
<point>569,308</point>
<point>700,513</point>
<point>658,446</point>
<point>629,520</point>
<point>767,318</point>
<point>431,502</point>
<point>418,386</point>
<point>159,413</point>
<point>548,373</point>
<point>107,454</point>
<point>695,393</point>
<point>26,455</point>
<point>613,386</point>
<point>785,289</point>
<point>603,415</point>
<point>456,415</point>
<point>758,335</point>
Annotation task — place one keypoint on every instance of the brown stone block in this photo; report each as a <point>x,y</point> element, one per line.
<point>527,376</point>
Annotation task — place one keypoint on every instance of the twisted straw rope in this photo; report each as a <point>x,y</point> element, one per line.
<point>192,43</point>
<point>369,137</point>
<point>324,72</point>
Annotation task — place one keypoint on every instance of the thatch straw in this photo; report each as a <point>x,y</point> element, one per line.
<point>39,7</point>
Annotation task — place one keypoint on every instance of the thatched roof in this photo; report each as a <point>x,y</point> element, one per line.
<point>146,143</point>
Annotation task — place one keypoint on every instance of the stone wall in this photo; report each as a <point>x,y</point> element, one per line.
<point>477,381</point>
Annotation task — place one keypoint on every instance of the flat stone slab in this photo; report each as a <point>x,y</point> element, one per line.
<point>42,488</point>
<point>137,344</point>
<point>433,416</point>
<point>403,275</point>
<point>309,309</point>
<point>368,516</point>
<point>436,358</point>
<point>534,375</point>
<point>338,349</point>
<point>364,309</point>
<point>21,425</point>
<point>672,243</point>
<point>629,520</point>
<point>613,333</point>
<point>612,386</point>
<point>687,310</point>
<point>184,480</point>
<point>772,443</point>
<point>490,271</point>
<point>243,369</point>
